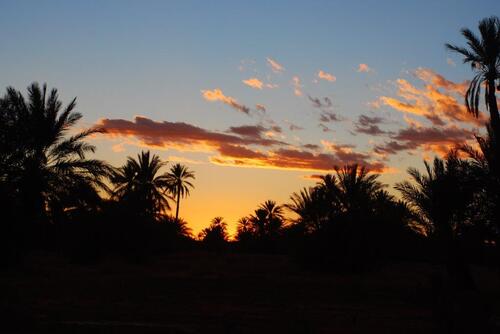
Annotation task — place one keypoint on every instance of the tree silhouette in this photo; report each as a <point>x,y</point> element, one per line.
<point>245,230</point>
<point>179,184</point>
<point>483,54</point>
<point>441,198</point>
<point>312,207</point>
<point>267,220</point>
<point>356,188</point>
<point>45,165</point>
<point>215,236</point>
<point>138,183</point>
<point>177,227</point>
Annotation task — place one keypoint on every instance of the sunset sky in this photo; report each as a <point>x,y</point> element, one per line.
<point>256,97</point>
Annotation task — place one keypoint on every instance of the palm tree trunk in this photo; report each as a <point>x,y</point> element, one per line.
<point>493,108</point>
<point>177,205</point>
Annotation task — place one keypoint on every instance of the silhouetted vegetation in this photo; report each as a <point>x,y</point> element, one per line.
<point>55,198</point>
<point>215,236</point>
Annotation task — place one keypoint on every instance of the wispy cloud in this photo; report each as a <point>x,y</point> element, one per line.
<point>245,64</point>
<point>326,76</point>
<point>175,158</point>
<point>246,146</point>
<point>431,139</point>
<point>293,127</point>
<point>218,95</point>
<point>260,107</point>
<point>364,68</point>
<point>297,86</point>
<point>180,135</point>
<point>438,101</point>
<point>325,105</point>
<point>324,128</point>
<point>254,83</point>
<point>369,125</point>
<point>295,159</point>
<point>329,116</point>
<point>319,103</point>
<point>275,66</point>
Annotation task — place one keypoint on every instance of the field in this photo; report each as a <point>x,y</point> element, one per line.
<point>233,293</point>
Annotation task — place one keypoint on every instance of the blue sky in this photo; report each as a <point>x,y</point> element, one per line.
<point>154,59</point>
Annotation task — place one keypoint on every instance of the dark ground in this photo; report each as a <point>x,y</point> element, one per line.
<point>230,293</point>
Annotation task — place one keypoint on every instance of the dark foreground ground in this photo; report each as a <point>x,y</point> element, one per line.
<point>210,293</point>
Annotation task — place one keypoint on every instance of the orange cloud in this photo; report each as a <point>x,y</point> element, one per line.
<point>429,76</point>
<point>184,160</point>
<point>260,107</point>
<point>183,136</point>
<point>297,87</point>
<point>364,68</point>
<point>326,76</point>
<point>438,100</point>
<point>245,145</point>
<point>254,83</point>
<point>271,85</point>
<point>218,95</point>
<point>430,139</point>
<point>292,159</point>
<point>275,66</point>
<point>118,147</point>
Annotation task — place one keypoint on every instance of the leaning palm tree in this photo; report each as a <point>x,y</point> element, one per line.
<point>48,165</point>
<point>138,182</point>
<point>483,54</point>
<point>179,184</point>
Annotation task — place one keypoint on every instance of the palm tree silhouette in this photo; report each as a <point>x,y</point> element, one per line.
<point>356,187</point>
<point>259,221</point>
<point>311,207</point>
<point>483,54</point>
<point>138,182</point>
<point>49,166</point>
<point>215,235</point>
<point>272,210</point>
<point>178,180</point>
<point>244,226</point>
<point>440,196</point>
<point>440,199</point>
<point>268,219</point>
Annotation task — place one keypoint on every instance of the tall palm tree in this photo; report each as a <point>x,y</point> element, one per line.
<point>138,182</point>
<point>48,166</point>
<point>483,54</point>
<point>179,184</point>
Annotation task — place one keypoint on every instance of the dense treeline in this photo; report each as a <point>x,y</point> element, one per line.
<point>54,197</point>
